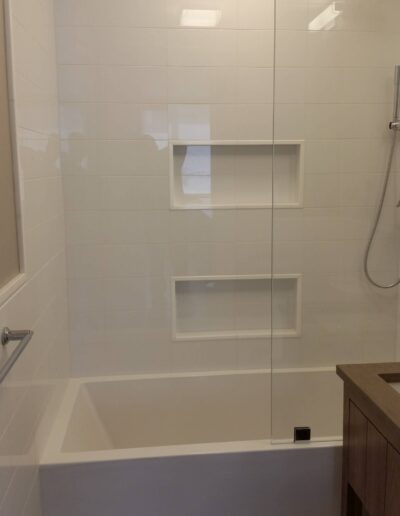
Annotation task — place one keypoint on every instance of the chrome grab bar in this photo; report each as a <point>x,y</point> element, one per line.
<point>7,335</point>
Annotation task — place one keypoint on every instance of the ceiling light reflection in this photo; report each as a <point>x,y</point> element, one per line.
<point>326,19</point>
<point>200,17</point>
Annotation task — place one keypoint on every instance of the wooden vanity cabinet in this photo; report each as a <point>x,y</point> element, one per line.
<point>357,443</point>
<point>365,475</point>
<point>375,472</point>
<point>371,449</point>
<point>392,503</point>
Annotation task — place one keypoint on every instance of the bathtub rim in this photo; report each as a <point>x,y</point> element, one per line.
<point>53,454</point>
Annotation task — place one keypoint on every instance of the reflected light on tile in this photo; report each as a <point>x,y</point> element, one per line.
<point>326,19</point>
<point>196,185</point>
<point>196,171</point>
<point>200,17</point>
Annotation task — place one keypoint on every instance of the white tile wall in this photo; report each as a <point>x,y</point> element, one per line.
<point>131,78</point>
<point>30,392</point>
<point>339,98</point>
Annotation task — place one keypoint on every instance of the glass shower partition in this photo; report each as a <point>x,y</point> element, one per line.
<point>220,110</point>
<point>334,65</point>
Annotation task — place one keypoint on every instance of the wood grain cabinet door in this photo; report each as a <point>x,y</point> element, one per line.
<point>375,472</point>
<point>392,504</point>
<point>357,448</point>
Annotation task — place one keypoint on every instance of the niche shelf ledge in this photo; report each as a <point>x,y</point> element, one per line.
<point>234,307</point>
<point>229,174</point>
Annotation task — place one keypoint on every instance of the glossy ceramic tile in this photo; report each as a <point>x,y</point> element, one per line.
<point>112,46</point>
<point>111,84</point>
<point>210,85</point>
<point>114,157</point>
<point>113,121</point>
<point>137,13</point>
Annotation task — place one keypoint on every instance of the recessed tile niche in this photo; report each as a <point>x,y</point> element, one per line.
<point>224,307</point>
<point>236,174</point>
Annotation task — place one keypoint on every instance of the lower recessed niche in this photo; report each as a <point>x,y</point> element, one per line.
<point>236,174</point>
<point>225,307</point>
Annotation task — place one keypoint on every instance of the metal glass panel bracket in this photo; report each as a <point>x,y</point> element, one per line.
<point>22,337</point>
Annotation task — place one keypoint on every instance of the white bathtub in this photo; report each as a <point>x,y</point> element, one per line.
<point>181,445</point>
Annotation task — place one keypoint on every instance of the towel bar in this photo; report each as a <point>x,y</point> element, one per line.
<point>7,335</point>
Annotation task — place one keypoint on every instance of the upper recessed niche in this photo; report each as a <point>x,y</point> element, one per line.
<point>230,174</point>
